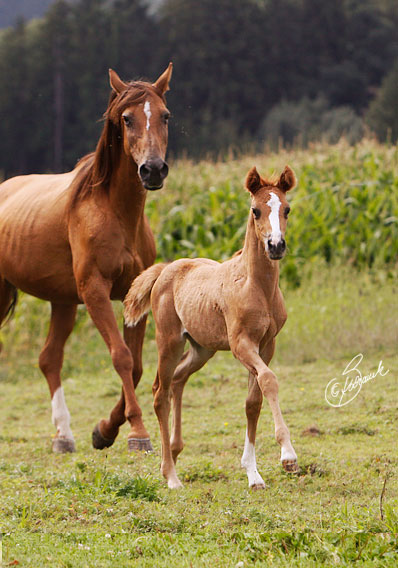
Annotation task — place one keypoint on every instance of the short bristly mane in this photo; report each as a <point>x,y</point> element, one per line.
<point>95,169</point>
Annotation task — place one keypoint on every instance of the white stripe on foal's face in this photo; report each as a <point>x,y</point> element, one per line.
<point>148,114</point>
<point>274,203</point>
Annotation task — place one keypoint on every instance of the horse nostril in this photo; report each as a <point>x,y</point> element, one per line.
<point>164,170</point>
<point>144,171</point>
<point>270,245</point>
<point>283,244</point>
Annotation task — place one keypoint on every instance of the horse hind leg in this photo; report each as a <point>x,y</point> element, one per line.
<point>8,299</point>
<point>50,362</point>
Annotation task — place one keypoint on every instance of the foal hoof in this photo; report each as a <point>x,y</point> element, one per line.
<point>291,466</point>
<point>99,442</point>
<point>63,445</point>
<point>139,445</point>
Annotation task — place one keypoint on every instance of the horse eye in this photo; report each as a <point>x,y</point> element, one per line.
<point>256,213</point>
<point>166,117</point>
<point>287,211</point>
<point>127,120</point>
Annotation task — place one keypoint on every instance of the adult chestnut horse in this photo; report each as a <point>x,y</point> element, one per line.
<point>235,305</point>
<point>81,237</point>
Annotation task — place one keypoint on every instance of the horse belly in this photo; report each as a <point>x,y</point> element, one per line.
<point>34,250</point>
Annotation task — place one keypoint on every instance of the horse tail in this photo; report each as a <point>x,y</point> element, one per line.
<point>137,303</point>
<point>8,301</point>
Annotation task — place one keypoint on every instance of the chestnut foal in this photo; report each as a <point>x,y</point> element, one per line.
<point>237,306</point>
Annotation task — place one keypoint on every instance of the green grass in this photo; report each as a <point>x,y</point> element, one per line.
<point>112,508</point>
<point>60,509</point>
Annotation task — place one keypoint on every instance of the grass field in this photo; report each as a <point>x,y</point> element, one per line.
<point>113,509</point>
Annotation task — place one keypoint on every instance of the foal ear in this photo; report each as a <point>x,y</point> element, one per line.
<point>287,180</point>
<point>253,181</point>
<point>162,84</point>
<point>116,83</point>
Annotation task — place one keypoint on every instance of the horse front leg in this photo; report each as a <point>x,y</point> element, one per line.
<point>106,431</point>
<point>95,293</point>
<point>50,363</point>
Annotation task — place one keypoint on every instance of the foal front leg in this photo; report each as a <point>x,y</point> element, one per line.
<point>253,407</point>
<point>247,353</point>
<point>95,293</point>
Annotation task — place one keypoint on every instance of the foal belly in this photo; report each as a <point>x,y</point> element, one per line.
<point>208,329</point>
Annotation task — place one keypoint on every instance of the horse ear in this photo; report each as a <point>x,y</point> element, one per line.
<point>287,180</point>
<point>162,84</point>
<point>116,83</point>
<point>253,181</point>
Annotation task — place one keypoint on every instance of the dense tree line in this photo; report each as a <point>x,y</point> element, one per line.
<point>235,60</point>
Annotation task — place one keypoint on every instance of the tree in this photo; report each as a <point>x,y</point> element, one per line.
<point>382,115</point>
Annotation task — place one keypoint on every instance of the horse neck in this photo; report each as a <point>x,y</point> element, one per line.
<point>126,192</point>
<point>257,264</point>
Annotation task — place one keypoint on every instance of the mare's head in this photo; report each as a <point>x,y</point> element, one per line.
<point>270,209</point>
<point>138,111</point>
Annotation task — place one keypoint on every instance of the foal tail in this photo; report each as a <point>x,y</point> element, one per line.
<point>137,303</point>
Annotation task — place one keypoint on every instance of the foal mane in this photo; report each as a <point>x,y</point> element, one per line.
<point>95,169</point>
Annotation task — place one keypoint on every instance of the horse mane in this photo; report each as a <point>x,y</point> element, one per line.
<point>94,170</point>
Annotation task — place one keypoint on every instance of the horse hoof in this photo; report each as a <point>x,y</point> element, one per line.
<point>257,486</point>
<point>99,442</point>
<point>139,445</point>
<point>63,445</point>
<point>291,466</point>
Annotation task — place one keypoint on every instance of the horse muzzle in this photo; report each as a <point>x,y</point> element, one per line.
<point>152,173</point>
<point>276,251</point>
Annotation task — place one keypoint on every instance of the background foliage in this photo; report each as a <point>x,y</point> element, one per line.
<point>246,73</point>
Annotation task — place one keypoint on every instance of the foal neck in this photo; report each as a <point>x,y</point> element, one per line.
<point>257,264</point>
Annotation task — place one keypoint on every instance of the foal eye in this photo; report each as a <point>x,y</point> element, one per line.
<point>256,213</point>
<point>287,211</point>
<point>166,117</point>
<point>127,120</point>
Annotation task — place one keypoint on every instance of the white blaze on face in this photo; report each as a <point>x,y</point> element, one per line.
<point>274,203</point>
<point>60,414</point>
<point>148,114</point>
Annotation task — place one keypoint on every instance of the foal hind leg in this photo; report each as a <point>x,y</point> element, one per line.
<point>192,361</point>
<point>170,347</point>
<point>50,362</point>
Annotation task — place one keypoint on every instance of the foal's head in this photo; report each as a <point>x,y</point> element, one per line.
<point>270,209</point>
<point>139,111</point>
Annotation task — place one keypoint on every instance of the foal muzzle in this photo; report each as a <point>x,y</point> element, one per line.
<point>276,252</point>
